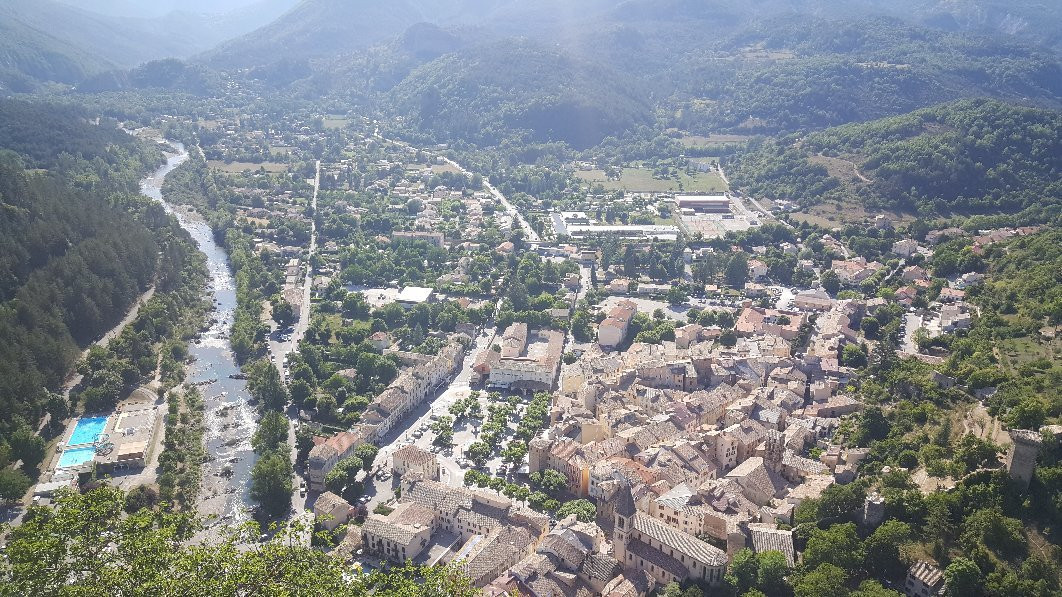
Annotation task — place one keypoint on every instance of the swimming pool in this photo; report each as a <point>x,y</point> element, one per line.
<point>86,431</point>
<point>75,456</point>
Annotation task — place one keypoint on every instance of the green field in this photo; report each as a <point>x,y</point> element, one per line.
<point>237,167</point>
<point>641,180</point>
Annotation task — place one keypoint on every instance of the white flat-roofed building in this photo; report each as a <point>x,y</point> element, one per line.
<point>414,295</point>
<point>637,231</point>
<point>704,203</point>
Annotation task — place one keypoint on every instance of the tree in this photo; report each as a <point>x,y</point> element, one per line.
<point>92,549</point>
<point>367,453</point>
<point>771,572</point>
<point>676,296</point>
<point>826,580</point>
<point>13,484</point>
<point>872,588</point>
<point>271,482</point>
<point>743,570</point>
<point>584,510</point>
<point>140,497</point>
<point>871,327</point>
<point>552,482</point>
<point>830,282</point>
<point>283,312</point>
<point>478,453</point>
<point>838,545</point>
<point>272,431</point>
<point>263,380</point>
<point>26,446</point>
<point>737,270</point>
<point>299,391</point>
<point>963,577</point>
<point>853,355</point>
<point>883,548</point>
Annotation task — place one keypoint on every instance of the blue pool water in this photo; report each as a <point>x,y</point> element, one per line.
<point>86,431</point>
<point>76,456</point>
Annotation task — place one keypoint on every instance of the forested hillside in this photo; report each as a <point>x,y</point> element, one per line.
<point>487,93</point>
<point>78,246</point>
<point>966,157</point>
<point>28,56</point>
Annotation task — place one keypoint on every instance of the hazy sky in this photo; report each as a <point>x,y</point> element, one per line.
<point>155,8</point>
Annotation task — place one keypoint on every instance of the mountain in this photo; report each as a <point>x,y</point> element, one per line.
<point>28,56</point>
<point>968,157</point>
<point>45,40</point>
<point>484,93</point>
<point>325,28</point>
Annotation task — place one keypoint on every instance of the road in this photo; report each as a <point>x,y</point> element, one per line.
<point>912,323</point>
<point>280,350</point>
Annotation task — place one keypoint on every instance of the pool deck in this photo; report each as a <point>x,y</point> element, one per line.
<point>135,430</point>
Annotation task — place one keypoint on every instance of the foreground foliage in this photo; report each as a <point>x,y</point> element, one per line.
<point>85,546</point>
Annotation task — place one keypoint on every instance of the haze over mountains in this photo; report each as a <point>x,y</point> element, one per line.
<point>606,65</point>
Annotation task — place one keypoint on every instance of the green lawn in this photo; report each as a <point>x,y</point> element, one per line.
<point>641,180</point>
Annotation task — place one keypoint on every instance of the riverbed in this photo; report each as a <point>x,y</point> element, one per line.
<point>229,419</point>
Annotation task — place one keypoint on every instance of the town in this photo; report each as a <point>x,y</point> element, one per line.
<point>560,402</point>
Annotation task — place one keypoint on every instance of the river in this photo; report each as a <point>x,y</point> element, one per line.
<point>229,419</point>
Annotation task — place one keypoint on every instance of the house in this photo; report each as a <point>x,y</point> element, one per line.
<point>332,510</point>
<point>913,273</point>
<point>434,238</point>
<point>813,300</point>
<point>905,248</point>
<point>325,455</point>
<point>411,459</point>
<point>954,317</point>
<point>924,580</point>
<point>529,361</point>
<point>856,270</point>
<point>380,340</point>
<point>688,334</point>
<point>757,269</point>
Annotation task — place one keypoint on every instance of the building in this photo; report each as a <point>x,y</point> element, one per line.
<point>643,543</point>
<point>704,203</point>
<point>434,238</point>
<point>613,330</point>
<point>528,361</point>
<point>813,300</point>
<point>905,248</point>
<point>923,580</point>
<point>1021,458</point>
<point>332,510</point>
<point>325,455</point>
<point>414,295</point>
<point>411,459</point>
<point>955,317</point>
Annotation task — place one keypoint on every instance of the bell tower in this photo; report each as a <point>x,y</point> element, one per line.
<point>621,533</point>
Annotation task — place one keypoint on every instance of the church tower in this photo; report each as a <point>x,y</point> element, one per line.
<point>621,533</point>
<point>773,450</point>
